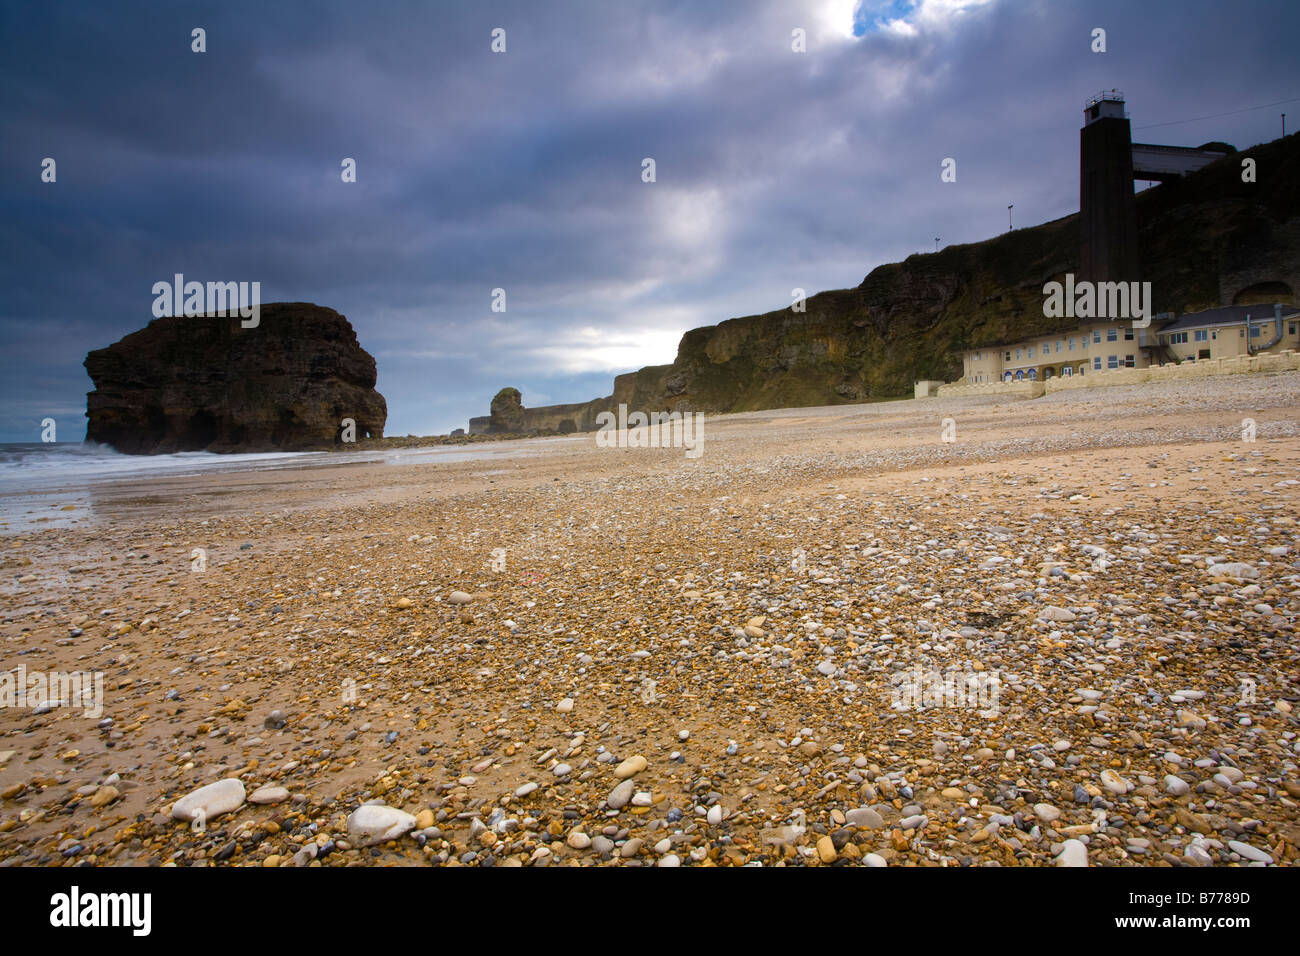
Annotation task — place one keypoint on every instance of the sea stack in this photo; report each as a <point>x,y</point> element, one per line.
<point>205,383</point>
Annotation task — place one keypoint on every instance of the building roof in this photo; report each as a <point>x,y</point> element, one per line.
<point>1228,315</point>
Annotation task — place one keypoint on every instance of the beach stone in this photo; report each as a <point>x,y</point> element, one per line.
<point>1176,785</point>
<point>268,795</point>
<point>1198,854</point>
<point>1233,569</point>
<point>1053,613</point>
<point>714,816</point>
<point>459,597</point>
<point>564,706</point>
<point>826,851</point>
<point>1073,853</point>
<point>578,840</point>
<point>1192,821</point>
<point>213,800</point>
<point>621,795</point>
<point>1249,852</point>
<point>371,824</point>
<point>1046,812</point>
<point>670,860</point>
<point>864,817</point>
<point>874,860</point>
<point>104,796</point>
<point>525,789</point>
<point>630,767</point>
<point>1115,783</point>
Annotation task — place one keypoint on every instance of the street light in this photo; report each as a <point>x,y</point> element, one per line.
<point>1009,208</point>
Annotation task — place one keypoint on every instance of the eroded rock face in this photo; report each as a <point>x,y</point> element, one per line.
<point>507,412</point>
<point>1208,239</point>
<point>197,383</point>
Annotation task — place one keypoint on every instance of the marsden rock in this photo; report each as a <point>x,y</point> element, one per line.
<point>203,383</point>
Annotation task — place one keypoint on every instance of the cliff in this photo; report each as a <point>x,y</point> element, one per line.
<point>1206,240</point>
<point>206,384</point>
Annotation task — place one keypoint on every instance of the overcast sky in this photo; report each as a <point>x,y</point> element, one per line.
<point>523,170</point>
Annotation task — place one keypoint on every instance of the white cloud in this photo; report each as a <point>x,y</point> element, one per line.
<point>588,349</point>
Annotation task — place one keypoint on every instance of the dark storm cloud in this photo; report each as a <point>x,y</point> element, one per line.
<point>522,170</point>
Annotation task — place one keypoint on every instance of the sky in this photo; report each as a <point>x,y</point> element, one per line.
<point>522,170</point>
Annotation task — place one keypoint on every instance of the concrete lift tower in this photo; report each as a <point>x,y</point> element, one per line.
<point>1109,163</point>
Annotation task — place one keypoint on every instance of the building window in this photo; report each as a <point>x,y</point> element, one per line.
<point>1201,335</point>
<point>1033,374</point>
<point>1128,362</point>
<point>1059,343</point>
<point>1255,330</point>
<point>1112,335</point>
<point>1020,374</point>
<point>1072,344</point>
<point>1128,335</point>
<point>1112,361</point>
<point>1204,353</point>
<point>1031,351</point>
<point>1178,338</point>
<point>1096,363</point>
<point>1290,329</point>
<point>1068,371</point>
<point>1017,355</point>
<point>1096,335</point>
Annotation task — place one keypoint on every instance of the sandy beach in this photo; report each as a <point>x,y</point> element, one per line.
<point>1068,635</point>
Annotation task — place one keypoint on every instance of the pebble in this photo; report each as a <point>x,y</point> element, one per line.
<point>864,817</point>
<point>268,795</point>
<point>630,767</point>
<point>1073,853</point>
<point>1046,812</point>
<point>1115,783</point>
<point>212,800</point>
<point>621,795</point>
<point>1249,852</point>
<point>826,851</point>
<point>371,824</point>
<point>104,796</point>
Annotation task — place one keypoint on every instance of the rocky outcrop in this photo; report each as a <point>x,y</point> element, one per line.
<point>507,412</point>
<point>1206,240</point>
<point>204,383</point>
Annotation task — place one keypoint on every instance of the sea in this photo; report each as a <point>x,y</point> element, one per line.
<point>39,480</point>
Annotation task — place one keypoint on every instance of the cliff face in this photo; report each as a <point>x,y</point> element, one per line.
<point>206,384</point>
<point>1209,239</point>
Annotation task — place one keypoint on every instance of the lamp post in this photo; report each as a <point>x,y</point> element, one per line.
<point>1009,208</point>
